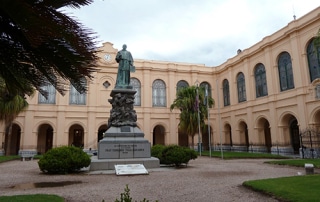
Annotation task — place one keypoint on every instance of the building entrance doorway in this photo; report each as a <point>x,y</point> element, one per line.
<point>158,135</point>
<point>294,134</point>
<point>12,140</point>
<point>76,134</point>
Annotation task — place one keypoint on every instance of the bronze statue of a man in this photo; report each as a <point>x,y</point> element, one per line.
<point>125,60</point>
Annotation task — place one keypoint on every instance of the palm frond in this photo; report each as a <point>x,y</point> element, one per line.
<point>40,41</point>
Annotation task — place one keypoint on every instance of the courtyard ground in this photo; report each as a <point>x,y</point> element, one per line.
<point>205,179</point>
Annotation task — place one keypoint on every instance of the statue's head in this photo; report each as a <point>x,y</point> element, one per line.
<point>124,47</point>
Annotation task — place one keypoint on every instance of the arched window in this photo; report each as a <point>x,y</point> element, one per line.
<point>261,80</point>
<point>159,94</point>
<point>51,97</point>
<point>285,71</point>
<point>182,84</point>
<point>226,93</point>
<point>75,97</point>
<point>313,53</point>
<point>135,83</point>
<point>241,85</point>
<point>204,84</point>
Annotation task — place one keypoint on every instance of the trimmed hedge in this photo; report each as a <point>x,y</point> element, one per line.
<point>65,159</point>
<point>173,154</point>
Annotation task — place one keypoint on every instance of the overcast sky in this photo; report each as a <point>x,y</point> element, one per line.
<point>193,31</point>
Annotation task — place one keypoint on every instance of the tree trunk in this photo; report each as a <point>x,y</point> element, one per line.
<point>8,135</point>
<point>192,141</point>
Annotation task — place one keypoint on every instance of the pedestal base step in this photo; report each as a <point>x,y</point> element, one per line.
<point>109,164</point>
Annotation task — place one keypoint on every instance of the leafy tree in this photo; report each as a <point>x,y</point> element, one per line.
<point>40,44</point>
<point>188,101</point>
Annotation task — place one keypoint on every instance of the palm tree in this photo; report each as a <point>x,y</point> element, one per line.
<point>39,43</point>
<point>10,107</point>
<point>188,101</point>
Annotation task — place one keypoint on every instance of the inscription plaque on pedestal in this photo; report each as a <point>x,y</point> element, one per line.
<point>124,150</point>
<point>124,142</point>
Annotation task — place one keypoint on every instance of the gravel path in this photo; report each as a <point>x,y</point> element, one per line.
<point>205,179</point>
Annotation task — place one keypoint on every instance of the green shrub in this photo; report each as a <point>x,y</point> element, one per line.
<point>191,153</point>
<point>156,150</point>
<point>125,196</point>
<point>65,159</point>
<point>173,154</point>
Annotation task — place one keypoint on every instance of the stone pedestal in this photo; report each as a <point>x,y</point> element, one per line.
<point>123,142</point>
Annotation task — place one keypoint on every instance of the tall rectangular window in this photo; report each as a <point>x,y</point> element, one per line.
<point>75,97</point>
<point>51,96</point>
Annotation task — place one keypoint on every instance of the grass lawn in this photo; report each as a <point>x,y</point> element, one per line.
<point>297,162</point>
<point>8,158</point>
<point>33,198</point>
<point>298,188</point>
<point>242,155</point>
<point>15,157</point>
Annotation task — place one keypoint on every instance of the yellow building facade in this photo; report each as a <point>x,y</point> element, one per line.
<point>264,97</point>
